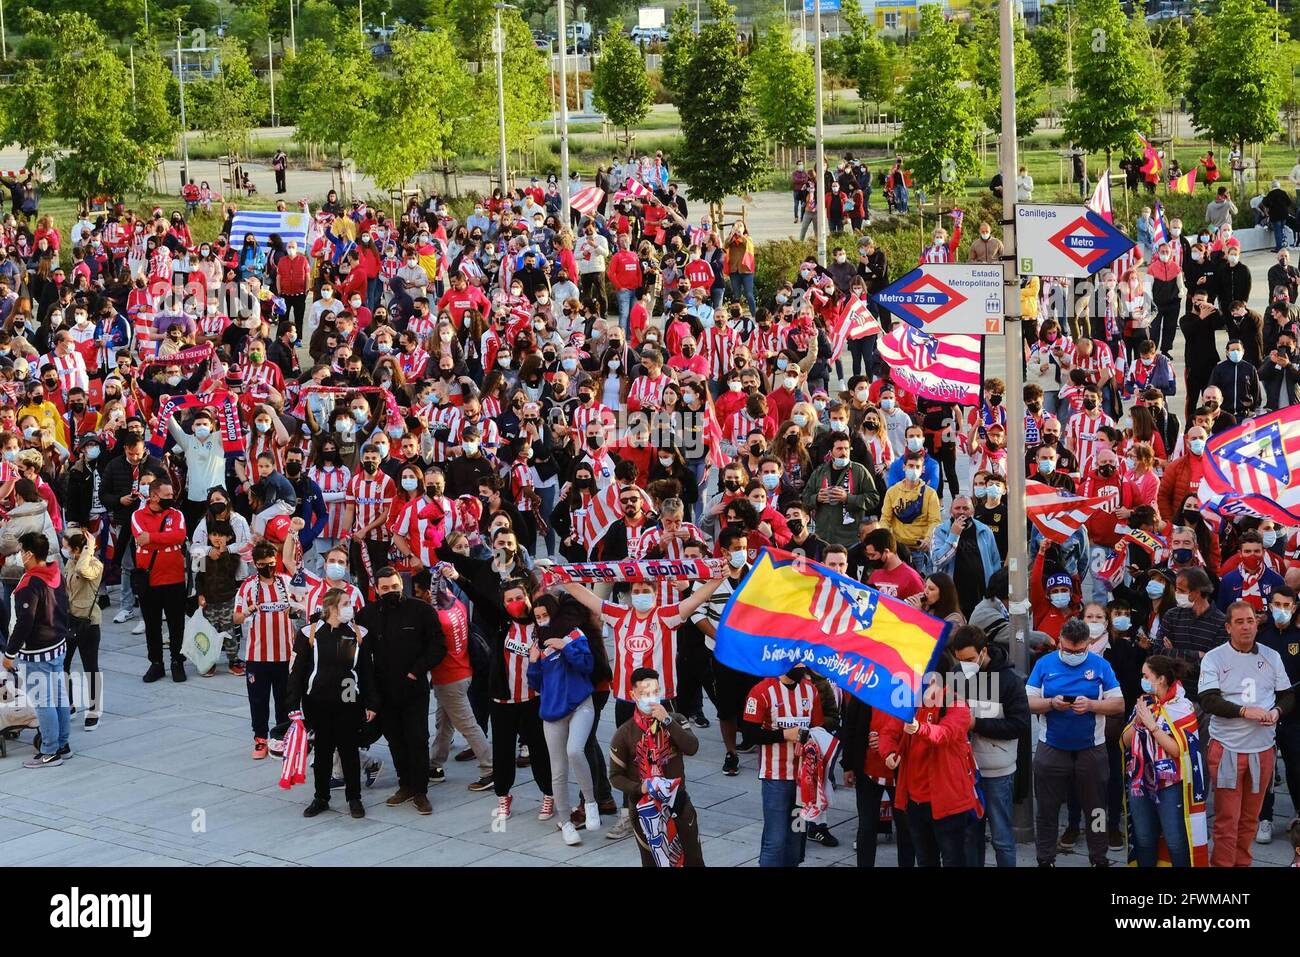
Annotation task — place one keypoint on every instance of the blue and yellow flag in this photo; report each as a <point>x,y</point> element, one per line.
<point>789,610</point>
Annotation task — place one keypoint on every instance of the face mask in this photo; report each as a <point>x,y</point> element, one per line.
<point>29,433</point>
<point>1270,538</point>
<point>969,668</point>
<point>861,395</point>
<point>643,602</point>
<point>1121,622</point>
<point>840,462</point>
<point>1090,404</point>
<point>469,448</point>
<point>1155,588</point>
<point>1233,260</point>
<point>1046,467</point>
<point>615,365</point>
<point>92,452</point>
<point>839,425</point>
<point>915,443</point>
<point>1096,629</point>
<point>517,608</point>
<point>1234,355</point>
<point>173,380</point>
<point>734,385</point>
<point>1183,601</point>
<point>410,484</point>
<point>1061,599</point>
<point>343,425</point>
<point>912,475</point>
<point>887,404</point>
<point>390,599</point>
<point>646,703</point>
<point>738,558</point>
<point>335,572</point>
<point>666,461</point>
<point>819,405</point>
<point>1072,659</point>
<point>1147,686</point>
<point>201,432</point>
<point>263,426</point>
<point>770,482</point>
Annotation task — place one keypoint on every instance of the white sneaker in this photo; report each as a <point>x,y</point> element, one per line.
<point>570,833</point>
<point>622,828</point>
<point>1265,833</point>
<point>138,629</point>
<point>593,816</point>
<point>126,614</point>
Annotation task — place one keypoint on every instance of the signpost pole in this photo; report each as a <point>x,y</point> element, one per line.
<point>819,173</point>
<point>1018,560</point>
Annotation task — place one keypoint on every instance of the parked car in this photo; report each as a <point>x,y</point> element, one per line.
<point>381,51</point>
<point>649,35</point>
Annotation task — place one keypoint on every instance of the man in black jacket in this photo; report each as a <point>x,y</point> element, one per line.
<point>406,642</point>
<point>39,639</point>
<point>123,489</point>
<point>1000,738</point>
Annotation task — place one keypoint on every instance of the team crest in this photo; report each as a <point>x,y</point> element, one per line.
<point>1090,674</point>
<point>1293,648</point>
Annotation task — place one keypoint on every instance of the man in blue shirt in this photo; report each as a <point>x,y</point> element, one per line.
<point>1074,690</point>
<point>1251,581</point>
<point>914,439</point>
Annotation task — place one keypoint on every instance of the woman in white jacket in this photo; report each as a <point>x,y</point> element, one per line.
<point>31,514</point>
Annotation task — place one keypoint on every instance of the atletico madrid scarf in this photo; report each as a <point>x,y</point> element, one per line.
<point>227,409</point>
<point>186,357</point>
<point>294,770</point>
<point>817,759</point>
<point>655,810</point>
<point>661,570</point>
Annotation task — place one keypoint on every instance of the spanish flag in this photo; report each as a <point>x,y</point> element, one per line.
<point>789,611</point>
<point>1185,183</point>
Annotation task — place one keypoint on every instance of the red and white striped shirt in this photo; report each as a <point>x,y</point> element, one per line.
<point>421,326</point>
<point>262,375</point>
<point>439,416</point>
<point>778,706</point>
<point>649,642</point>
<point>333,484</point>
<point>1083,438</point>
<point>674,548</point>
<point>371,498</point>
<point>422,524</point>
<point>413,364</point>
<point>763,343</point>
<point>518,643</point>
<point>584,415</point>
<point>267,606</point>
<point>259,442</point>
<point>646,392</point>
<point>71,369</point>
<point>719,345</point>
<point>212,325</point>
<point>321,587</point>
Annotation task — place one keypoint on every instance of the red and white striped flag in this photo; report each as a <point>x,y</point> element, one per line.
<point>1099,203</point>
<point>586,200</point>
<point>1057,514</point>
<point>635,190</point>
<point>854,322</point>
<point>945,367</point>
<point>713,437</point>
<point>605,510</point>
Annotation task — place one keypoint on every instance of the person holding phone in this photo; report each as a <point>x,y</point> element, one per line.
<point>1074,689</point>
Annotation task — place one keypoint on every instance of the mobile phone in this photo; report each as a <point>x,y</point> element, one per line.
<point>1069,698</point>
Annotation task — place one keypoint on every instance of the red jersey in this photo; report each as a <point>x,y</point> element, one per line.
<point>320,587</point>
<point>421,523</point>
<point>333,484</point>
<point>266,606</point>
<point>719,345</point>
<point>455,628</point>
<point>775,705</point>
<point>902,582</point>
<point>649,642</point>
<point>163,555</point>
<point>519,642</point>
<point>457,304</point>
<point>371,498</point>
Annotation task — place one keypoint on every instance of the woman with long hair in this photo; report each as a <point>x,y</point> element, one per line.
<point>1161,747</point>
<point>1144,430</point>
<point>939,598</point>
<point>1140,484</point>
<point>1207,543</point>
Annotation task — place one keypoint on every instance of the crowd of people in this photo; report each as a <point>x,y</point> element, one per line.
<point>360,456</point>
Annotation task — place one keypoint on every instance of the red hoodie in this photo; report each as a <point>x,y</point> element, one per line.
<point>455,626</point>
<point>937,766</point>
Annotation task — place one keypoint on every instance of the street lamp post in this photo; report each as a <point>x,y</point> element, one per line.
<point>4,45</point>
<point>821,142</point>
<point>499,45</point>
<point>361,20</point>
<point>270,58</point>
<point>293,36</point>
<point>564,118</point>
<point>180,82</point>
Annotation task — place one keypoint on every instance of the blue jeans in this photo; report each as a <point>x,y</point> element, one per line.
<point>547,495</point>
<point>742,284</point>
<point>699,468</point>
<point>782,844</point>
<point>1279,234</point>
<point>1153,820</point>
<point>48,694</point>
<point>715,296</point>
<point>998,802</point>
<point>625,299</point>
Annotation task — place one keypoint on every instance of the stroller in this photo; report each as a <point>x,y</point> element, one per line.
<point>16,712</point>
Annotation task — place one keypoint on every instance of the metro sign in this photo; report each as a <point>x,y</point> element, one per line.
<point>923,299</point>
<point>1083,241</point>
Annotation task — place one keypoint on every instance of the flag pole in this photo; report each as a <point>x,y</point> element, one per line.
<point>1018,560</point>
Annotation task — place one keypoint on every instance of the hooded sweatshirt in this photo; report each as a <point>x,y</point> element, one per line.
<point>38,628</point>
<point>562,678</point>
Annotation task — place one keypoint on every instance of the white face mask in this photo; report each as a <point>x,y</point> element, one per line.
<point>643,602</point>
<point>738,558</point>
<point>345,613</point>
<point>1182,600</point>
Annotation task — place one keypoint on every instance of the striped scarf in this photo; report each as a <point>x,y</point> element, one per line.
<point>1147,767</point>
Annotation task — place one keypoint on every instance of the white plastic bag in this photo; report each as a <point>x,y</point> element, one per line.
<point>202,643</point>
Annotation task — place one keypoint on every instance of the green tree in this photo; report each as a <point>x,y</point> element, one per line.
<point>938,110</point>
<point>785,89</point>
<point>151,122</point>
<point>1175,59</point>
<point>619,83</point>
<point>251,23</point>
<point>76,107</point>
<point>722,150</point>
<point>1239,80</point>
<point>422,92</point>
<point>427,13</point>
<point>226,106</point>
<point>986,72</point>
<point>1050,44</point>
<point>527,93</point>
<point>329,92</point>
<point>1109,91</point>
<point>869,64</point>
<point>474,21</point>
<point>317,20</point>
<point>677,51</point>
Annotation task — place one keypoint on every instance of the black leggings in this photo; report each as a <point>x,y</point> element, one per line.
<point>83,637</point>
<point>510,724</point>
<point>869,793</point>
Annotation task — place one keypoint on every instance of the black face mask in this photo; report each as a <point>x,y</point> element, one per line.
<point>265,571</point>
<point>1106,470</point>
<point>390,600</point>
<point>293,469</point>
<point>756,449</point>
<point>731,485</point>
<point>1090,404</point>
<point>995,400</point>
<point>370,467</point>
<point>1034,407</point>
<point>166,503</point>
<point>593,442</point>
<point>796,526</point>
